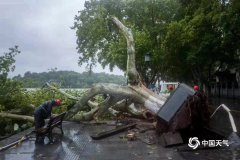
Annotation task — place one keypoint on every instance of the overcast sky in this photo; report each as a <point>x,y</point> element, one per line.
<point>41,29</point>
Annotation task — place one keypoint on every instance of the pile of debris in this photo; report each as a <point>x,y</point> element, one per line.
<point>185,114</point>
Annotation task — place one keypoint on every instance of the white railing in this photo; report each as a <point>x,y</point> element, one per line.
<point>234,128</point>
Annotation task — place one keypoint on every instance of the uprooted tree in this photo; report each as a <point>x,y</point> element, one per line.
<point>134,99</point>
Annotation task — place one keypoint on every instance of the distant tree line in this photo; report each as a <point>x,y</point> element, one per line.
<point>68,79</point>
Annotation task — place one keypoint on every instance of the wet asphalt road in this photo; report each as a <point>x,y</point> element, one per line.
<point>77,144</point>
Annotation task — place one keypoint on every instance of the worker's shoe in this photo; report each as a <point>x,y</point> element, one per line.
<point>39,140</point>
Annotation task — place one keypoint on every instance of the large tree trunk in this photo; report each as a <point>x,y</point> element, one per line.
<point>135,93</point>
<point>133,76</point>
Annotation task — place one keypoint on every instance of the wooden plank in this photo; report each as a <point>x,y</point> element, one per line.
<point>113,131</point>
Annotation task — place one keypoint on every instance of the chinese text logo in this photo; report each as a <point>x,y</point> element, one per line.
<point>193,142</point>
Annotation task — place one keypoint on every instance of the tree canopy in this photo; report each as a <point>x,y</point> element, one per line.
<point>7,63</point>
<point>188,41</point>
<point>205,42</point>
<point>9,89</point>
<point>99,40</point>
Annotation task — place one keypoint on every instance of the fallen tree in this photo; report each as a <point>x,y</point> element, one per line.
<point>134,99</point>
<point>118,98</point>
<point>137,100</point>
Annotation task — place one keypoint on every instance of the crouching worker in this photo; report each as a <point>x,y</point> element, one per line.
<point>41,113</point>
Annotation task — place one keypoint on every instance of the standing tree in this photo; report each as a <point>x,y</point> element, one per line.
<point>207,40</point>
<point>8,87</point>
<point>99,40</point>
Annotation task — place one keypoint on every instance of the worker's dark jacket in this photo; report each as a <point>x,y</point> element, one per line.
<point>42,112</point>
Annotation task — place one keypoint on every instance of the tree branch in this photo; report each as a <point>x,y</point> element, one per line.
<point>16,116</point>
<point>132,73</point>
<point>62,92</point>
